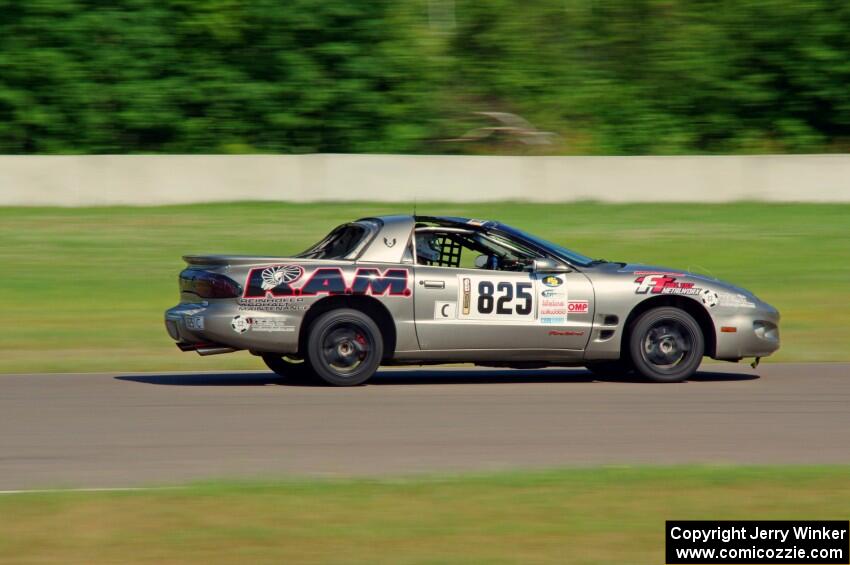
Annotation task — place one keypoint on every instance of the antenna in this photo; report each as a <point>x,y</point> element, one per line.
<point>414,207</point>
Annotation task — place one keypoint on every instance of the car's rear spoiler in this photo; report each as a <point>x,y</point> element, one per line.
<point>219,260</point>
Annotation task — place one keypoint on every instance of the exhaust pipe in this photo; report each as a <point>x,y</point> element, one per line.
<point>205,348</point>
<point>214,350</point>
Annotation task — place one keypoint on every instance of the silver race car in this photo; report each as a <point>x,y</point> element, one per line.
<point>405,290</point>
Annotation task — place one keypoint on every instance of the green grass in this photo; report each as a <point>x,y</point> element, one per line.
<point>84,289</point>
<point>587,516</point>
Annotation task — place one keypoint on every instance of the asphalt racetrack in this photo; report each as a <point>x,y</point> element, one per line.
<point>114,430</point>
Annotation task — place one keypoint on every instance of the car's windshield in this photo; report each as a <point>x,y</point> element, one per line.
<point>557,250</point>
<point>340,243</point>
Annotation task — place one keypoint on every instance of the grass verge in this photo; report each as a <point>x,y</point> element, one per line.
<point>84,289</point>
<point>609,515</point>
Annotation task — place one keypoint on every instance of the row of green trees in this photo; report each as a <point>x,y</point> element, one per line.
<point>599,76</point>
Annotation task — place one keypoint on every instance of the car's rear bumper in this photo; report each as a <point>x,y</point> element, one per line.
<point>221,324</point>
<point>185,323</point>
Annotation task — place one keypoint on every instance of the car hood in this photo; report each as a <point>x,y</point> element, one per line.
<point>633,270</point>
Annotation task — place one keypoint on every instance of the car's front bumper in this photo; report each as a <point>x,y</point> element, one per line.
<point>747,332</point>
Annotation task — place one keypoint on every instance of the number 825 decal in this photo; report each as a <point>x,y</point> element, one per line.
<point>488,299</point>
<point>504,298</point>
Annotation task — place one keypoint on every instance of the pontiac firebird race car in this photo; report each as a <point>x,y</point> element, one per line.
<point>419,290</point>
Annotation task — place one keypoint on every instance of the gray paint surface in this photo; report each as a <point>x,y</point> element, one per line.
<point>103,430</point>
<point>94,180</point>
<point>606,295</point>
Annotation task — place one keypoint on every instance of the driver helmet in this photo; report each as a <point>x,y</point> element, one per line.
<point>427,248</point>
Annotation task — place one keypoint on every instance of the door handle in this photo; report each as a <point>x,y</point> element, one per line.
<point>434,284</point>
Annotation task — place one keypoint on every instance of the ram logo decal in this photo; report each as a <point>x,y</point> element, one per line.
<point>278,281</point>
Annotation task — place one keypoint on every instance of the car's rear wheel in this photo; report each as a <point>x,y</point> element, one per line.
<point>666,345</point>
<point>345,347</point>
<point>290,368</point>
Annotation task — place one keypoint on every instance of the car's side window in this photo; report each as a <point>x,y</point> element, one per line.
<point>343,241</point>
<point>438,249</point>
<point>468,249</point>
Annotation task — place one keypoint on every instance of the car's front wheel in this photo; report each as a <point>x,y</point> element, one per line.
<point>666,345</point>
<point>345,347</point>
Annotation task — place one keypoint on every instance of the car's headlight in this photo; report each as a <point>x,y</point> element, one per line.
<point>766,330</point>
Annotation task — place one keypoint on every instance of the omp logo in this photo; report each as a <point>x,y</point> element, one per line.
<point>326,280</point>
<point>578,306</point>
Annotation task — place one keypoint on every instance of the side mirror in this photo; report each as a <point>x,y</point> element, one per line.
<point>541,265</point>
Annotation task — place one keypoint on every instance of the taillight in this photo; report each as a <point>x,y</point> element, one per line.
<point>208,285</point>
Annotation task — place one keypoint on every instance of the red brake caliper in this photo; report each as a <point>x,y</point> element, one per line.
<point>361,339</point>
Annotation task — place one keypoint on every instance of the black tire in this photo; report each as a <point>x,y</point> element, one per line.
<point>666,345</point>
<point>612,368</point>
<point>344,347</point>
<point>290,368</point>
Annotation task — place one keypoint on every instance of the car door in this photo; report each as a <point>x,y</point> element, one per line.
<point>459,308</point>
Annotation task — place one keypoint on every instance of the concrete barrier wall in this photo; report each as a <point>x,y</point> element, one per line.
<point>176,179</point>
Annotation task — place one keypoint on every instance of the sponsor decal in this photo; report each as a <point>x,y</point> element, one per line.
<point>270,325</point>
<point>553,301</point>
<point>734,300</point>
<point>578,306</point>
<point>467,294</point>
<point>664,284</point>
<point>445,310</point>
<point>240,324</point>
<point>194,322</point>
<point>553,311</point>
<point>278,281</point>
<point>275,276</point>
<point>709,298</point>
<point>291,304</point>
<point>565,332</point>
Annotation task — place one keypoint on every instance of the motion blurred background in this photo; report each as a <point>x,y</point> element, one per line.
<point>477,91</point>
<point>554,77</point>
<point>509,92</point>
